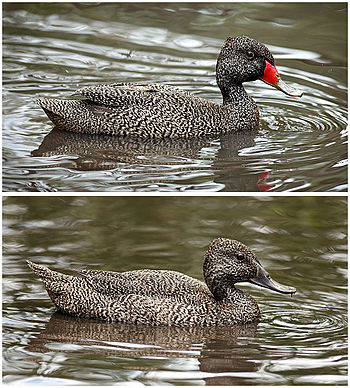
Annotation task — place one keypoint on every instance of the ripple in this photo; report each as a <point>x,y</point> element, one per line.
<point>304,323</point>
<point>299,138</point>
<point>284,118</point>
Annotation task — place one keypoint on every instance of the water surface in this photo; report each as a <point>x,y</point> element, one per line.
<point>52,49</point>
<point>302,242</point>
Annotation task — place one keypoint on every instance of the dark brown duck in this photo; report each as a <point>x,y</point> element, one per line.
<point>170,298</point>
<point>155,110</point>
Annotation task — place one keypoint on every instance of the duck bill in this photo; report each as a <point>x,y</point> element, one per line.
<point>263,279</point>
<point>272,77</point>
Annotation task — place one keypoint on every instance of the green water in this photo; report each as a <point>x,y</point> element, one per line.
<point>301,241</point>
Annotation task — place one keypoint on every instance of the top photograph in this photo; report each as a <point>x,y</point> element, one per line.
<point>174,97</point>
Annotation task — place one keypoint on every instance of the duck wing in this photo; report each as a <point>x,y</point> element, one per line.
<point>160,284</point>
<point>128,95</point>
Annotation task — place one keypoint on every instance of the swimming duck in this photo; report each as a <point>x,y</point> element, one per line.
<point>161,297</point>
<point>159,111</point>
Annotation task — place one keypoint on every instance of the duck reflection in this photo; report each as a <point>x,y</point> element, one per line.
<point>218,349</point>
<point>103,152</point>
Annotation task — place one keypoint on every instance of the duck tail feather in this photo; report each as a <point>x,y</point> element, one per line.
<point>41,271</point>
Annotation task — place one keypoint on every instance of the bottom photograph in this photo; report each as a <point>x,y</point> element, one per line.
<point>175,290</point>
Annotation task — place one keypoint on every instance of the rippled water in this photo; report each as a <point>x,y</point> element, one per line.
<point>299,341</point>
<point>53,49</point>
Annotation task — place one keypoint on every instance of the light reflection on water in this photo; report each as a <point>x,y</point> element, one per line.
<point>299,340</point>
<point>57,50</point>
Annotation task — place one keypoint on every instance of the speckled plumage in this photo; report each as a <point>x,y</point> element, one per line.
<point>153,297</point>
<point>159,111</point>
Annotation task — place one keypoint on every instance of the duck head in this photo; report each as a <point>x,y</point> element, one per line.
<point>228,262</point>
<point>243,59</point>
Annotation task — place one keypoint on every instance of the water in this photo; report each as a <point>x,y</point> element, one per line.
<point>53,49</point>
<point>301,241</point>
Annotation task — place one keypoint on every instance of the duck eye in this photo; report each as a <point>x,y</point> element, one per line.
<point>240,256</point>
<point>250,54</point>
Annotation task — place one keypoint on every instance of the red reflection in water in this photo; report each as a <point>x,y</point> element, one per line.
<point>264,186</point>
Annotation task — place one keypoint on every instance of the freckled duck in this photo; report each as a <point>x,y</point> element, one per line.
<point>169,298</point>
<point>158,111</point>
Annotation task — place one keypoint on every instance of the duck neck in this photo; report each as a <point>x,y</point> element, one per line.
<point>217,288</point>
<point>222,290</point>
<point>234,95</point>
<point>244,112</point>
<point>229,294</point>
